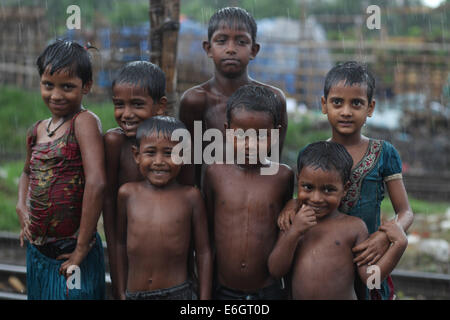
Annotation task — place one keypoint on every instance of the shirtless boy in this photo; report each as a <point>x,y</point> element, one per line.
<point>318,246</point>
<point>138,94</point>
<point>243,205</point>
<point>231,45</point>
<point>160,216</point>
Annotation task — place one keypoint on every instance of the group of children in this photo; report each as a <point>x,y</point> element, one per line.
<point>219,231</point>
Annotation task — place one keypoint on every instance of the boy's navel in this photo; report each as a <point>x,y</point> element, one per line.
<point>337,243</point>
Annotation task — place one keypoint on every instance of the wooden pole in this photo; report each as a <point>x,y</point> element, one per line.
<point>164,26</point>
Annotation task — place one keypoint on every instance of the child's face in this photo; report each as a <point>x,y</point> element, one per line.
<point>154,159</point>
<point>62,93</point>
<point>245,120</point>
<point>231,50</point>
<point>321,190</point>
<point>347,108</point>
<point>132,105</point>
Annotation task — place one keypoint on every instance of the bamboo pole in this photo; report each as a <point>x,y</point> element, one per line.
<point>164,22</point>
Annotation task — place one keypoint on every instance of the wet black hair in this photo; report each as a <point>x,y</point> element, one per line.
<point>232,17</point>
<point>326,155</point>
<point>255,98</point>
<point>164,125</point>
<point>351,72</point>
<point>66,55</point>
<point>145,75</point>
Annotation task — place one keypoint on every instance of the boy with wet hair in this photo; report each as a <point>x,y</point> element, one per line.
<point>317,248</point>
<point>138,93</point>
<point>156,219</point>
<point>243,204</point>
<point>231,45</point>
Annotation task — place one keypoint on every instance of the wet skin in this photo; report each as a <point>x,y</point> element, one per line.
<point>243,207</point>
<point>231,50</point>
<point>320,241</point>
<point>160,217</point>
<point>132,105</point>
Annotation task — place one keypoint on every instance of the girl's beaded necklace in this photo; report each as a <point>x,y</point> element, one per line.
<point>50,133</point>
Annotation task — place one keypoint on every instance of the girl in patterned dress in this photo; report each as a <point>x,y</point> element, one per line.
<point>61,187</point>
<point>347,102</point>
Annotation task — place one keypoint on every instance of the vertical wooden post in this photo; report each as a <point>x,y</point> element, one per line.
<point>164,26</point>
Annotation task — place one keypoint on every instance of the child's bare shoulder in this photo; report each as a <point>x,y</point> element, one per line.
<point>115,137</point>
<point>285,171</point>
<point>357,225</point>
<point>129,188</point>
<point>276,90</point>
<point>191,193</point>
<point>194,98</point>
<point>88,118</point>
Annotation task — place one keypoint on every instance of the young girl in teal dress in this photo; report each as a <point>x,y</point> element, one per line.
<point>347,102</point>
<point>61,187</point>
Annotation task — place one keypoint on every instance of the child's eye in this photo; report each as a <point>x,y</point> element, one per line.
<point>357,103</point>
<point>306,187</point>
<point>329,189</point>
<point>336,101</point>
<point>47,85</point>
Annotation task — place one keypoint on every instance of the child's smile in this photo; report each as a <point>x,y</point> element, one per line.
<point>154,159</point>
<point>321,190</point>
<point>132,105</point>
<point>62,92</point>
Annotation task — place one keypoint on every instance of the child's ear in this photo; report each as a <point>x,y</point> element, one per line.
<point>87,87</point>
<point>323,101</point>
<point>225,125</point>
<point>162,106</point>
<point>206,46</point>
<point>371,108</point>
<point>135,151</point>
<point>255,50</point>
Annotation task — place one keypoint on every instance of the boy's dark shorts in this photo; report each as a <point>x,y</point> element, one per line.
<point>272,292</point>
<point>182,291</point>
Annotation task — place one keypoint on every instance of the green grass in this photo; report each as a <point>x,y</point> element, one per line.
<point>417,206</point>
<point>21,109</point>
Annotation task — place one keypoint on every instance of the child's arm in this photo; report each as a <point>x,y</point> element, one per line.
<point>121,238</point>
<point>21,207</point>
<point>387,263</point>
<point>113,143</point>
<point>202,246</point>
<point>88,133</point>
<point>191,110</point>
<point>376,245</point>
<point>280,260</point>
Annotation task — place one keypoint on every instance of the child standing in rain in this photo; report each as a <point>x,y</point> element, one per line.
<point>138,93</point>
<point>231,45</point>
<point>347,102</point>
<point>61,188</point>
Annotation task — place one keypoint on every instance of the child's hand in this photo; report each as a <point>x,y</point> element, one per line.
<point>22,212</point>
<point>286,216</point>
<point>372,249</point>
<point>73,259</point>
<point>304,219</point>
<point>394,232</point>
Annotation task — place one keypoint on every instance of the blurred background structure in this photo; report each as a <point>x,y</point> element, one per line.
<point>300,41</point>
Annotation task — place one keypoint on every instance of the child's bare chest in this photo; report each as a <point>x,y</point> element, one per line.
<point>215,112</point>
